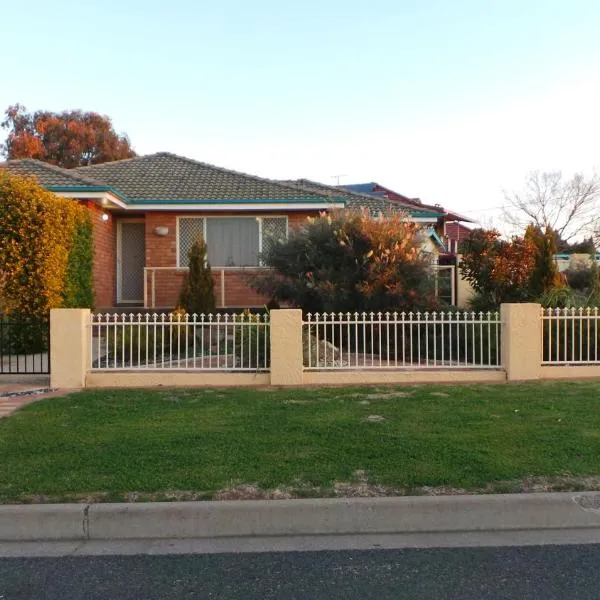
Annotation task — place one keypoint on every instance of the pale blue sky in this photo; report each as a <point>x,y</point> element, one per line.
<point>450,101</point>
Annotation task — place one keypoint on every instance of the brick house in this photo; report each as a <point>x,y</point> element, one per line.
<point>147,211</point>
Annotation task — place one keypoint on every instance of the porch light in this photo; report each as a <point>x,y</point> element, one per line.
<point>104,216</point>
<point>161,231</point>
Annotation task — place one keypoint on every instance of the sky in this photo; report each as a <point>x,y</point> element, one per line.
<point>449,101</point>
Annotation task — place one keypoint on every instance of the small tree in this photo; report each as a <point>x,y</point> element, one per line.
<point>198,290</point>
<point>515,270</point>
<point>545,275</point>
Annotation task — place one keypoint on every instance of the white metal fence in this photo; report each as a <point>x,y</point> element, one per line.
<point>219,342</point>
<point>411,340</point>
<point>570,336</point>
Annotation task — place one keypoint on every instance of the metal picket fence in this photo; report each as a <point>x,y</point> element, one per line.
<point>412,340</point>
<point>24,345</point>
<point>570,336</point>
<point>213,342</point>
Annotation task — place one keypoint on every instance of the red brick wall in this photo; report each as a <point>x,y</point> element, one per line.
<point>105,244</point>
<point>161,251</point>
<point>237,292</point>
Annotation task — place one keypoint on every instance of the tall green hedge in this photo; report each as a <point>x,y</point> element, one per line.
<point>79,291</point>
<point>46,249</point>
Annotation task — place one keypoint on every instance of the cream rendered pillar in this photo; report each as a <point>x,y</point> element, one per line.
<point>521,341</point>
<point>286,347</point>
<point>69,347</point>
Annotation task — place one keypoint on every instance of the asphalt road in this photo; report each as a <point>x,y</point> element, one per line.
<point>545,572</point>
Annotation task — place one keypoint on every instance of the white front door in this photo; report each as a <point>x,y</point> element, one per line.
<point>131,260</point>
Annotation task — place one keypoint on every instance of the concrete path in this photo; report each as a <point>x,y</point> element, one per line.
<point>10,384</point>
<point>18,390</point>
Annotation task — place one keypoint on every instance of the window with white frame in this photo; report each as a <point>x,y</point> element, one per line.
<point>231,241</point>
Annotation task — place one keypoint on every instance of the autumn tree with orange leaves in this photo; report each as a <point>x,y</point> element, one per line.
<point>350,261</point>
<point>517,270</point>
<point>68,139</point>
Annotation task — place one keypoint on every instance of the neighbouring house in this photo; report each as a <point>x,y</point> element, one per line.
<point>449,228</point>
<point>148,210</point>
<point>455,233</point>
<point>449,224</point>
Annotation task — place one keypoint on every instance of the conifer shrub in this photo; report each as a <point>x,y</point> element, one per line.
<point>198,290</point>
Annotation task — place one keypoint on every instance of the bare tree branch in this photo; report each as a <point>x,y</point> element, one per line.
<point>568,206</point>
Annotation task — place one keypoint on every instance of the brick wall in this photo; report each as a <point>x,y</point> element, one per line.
<point>161,251</point>
<point>237,293</point>
<point>105,244</point>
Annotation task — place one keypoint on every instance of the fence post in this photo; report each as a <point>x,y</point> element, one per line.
<point>521,341</point>
<point>286,347</point>
<point>69,347</point>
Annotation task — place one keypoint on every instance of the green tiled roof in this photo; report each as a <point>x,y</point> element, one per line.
<point>50,175</point>
<point>168,177</point>
<point>165,178</point>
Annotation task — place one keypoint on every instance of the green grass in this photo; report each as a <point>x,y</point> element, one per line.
<point>104,444</point>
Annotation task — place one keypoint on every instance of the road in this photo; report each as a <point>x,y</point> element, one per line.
<point>546,572</point>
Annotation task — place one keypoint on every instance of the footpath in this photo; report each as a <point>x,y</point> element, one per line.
<point>18,390</point>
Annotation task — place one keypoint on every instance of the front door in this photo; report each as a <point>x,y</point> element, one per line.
<point>131,260</point>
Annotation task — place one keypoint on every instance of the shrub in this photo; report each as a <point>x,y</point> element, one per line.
<point>574,296</point>
<point>578,279</point>
<point>349,261</point>
<point>23,335</point>
<point>198,290</point>
<point>517,270</point>
<point>78,291</point>
<point>46,247</point>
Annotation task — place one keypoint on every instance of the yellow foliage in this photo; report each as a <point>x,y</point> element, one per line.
<point>36,229</point>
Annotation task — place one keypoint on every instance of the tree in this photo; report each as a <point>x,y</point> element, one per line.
<point>515,270</point>
<point>568,207</point>
<point>198,290</point>
<point>67,139</point>
<point>349,261</point>
<point>544,275</point>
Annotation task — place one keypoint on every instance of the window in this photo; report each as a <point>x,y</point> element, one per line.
<point>189,231</point>
<point>231,241</point>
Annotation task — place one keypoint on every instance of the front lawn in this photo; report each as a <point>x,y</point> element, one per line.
<point>230,443</point>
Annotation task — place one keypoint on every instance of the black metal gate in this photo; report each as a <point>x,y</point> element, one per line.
<point>24,345</point>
